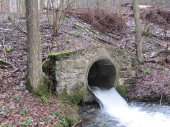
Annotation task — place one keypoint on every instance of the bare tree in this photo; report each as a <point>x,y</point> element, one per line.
<point>33,45</point>
<point>4,5</point>
<point>41,6</point>
<point>54,18</point>
<point>20,7</point>
<point>138,34</point>
<point>57,16</point>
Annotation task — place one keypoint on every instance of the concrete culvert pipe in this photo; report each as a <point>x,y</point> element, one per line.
<point>102,74</point>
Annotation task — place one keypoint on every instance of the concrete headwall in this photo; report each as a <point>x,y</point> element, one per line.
<point>99,64</point>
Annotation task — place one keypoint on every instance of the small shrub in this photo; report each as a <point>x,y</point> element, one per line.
<point>146,71</point>
<point>16,97</point>
<point>26,122</point>
<point>64,124</point>
<point>67,41</point>
<point>45,99</point>
<point>75,97</point>
<point>72,120</point>
<point>58,104</point>
<point>24,111</point>
<point>7,48</point>
<point>7,125</point>
<point>53,113</point>
<point>68,121</point>
<point>121,89</point>
<point>147,31</point>
<point>102,19</point>
<point>6,112</point>
<point>48,120</point>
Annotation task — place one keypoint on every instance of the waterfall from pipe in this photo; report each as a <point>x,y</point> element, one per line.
<point>116,107</point>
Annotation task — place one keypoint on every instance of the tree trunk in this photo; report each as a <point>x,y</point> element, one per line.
<point>8,6</point>
<point>57,16</point>
<point>22,7</point>
<point>3,6</point>
<point>54,18</point>
<point>41,6</point>
<point>33,45</point>
<point>138,34</point>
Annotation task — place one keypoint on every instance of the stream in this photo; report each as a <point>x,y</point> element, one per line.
<point>115,112</point>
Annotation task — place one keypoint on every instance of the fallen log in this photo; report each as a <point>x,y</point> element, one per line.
<point>4,63</point>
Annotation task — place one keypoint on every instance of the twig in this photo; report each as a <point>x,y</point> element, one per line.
<point>15,70</point>
<point>160,102</point>
<point>106,41</point>
<point>80,25</point>
<point>68,6</point>
<point>3,43</point>
<point>4,62</point>
<point>80,121</point>
<point>157,36</point>
<point>159,43</point>
<point>160,37</point>
<point>17,26</point>
<point>113,36</point>
<point>103,40</point>
<point>67,102</point>
<point>159,52</point>
<point>154,61</point>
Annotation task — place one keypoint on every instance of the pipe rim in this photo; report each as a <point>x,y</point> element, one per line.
<point>98,59</point>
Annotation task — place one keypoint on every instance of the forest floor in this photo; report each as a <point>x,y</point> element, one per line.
<point>19,107</point>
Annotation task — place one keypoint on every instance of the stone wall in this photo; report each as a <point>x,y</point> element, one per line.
<point>72,70</point>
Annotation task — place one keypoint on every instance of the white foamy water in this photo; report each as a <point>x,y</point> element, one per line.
<point>114,105</point>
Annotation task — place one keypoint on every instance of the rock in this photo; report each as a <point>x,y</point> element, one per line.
<point>4,95</point>
<point>168,58</point>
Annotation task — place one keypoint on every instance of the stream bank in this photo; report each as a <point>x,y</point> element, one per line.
<point>153,77</point>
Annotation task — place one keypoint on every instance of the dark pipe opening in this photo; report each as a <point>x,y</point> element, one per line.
<point>102,74</point>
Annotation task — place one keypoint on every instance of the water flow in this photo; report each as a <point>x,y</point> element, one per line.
<point>116,107</point>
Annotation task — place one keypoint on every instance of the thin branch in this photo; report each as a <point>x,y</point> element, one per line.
<point>160,102</point>
<point>79,122</point>
<point>157,36</point>
<point>4,62</point>
<point>159,52</point>
<point>17,26</point>
<point>3,43</point>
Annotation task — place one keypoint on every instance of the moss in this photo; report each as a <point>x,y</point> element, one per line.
<point>71,120</point>
<point>29,86</point>
<point>148,31</point>
<point>68,121</point>
<point>44,87</point>
<point>74,98</point>
<point>146,71</point>
<point>49,67</point>
<point>167,99</point>
<point>55,55</point>
<point>121,89</point>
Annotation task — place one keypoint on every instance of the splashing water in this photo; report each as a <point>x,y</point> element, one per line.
<point>115,106</point>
